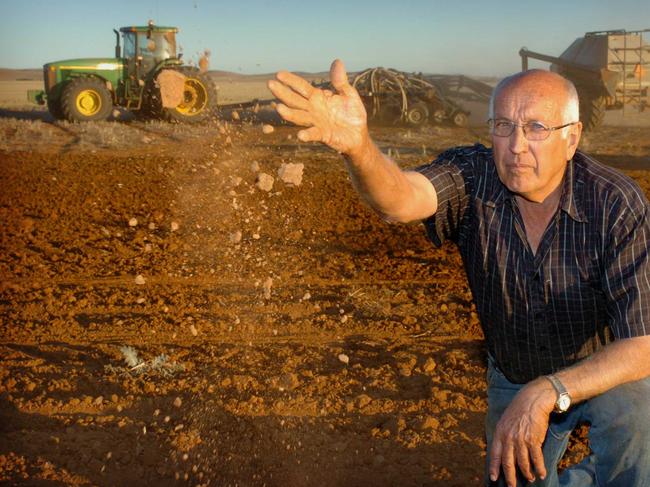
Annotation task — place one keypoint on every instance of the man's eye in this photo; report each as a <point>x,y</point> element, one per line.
<point>536,127</point>
<point>502,124</point>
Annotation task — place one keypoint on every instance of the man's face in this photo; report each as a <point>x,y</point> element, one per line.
<point>532,169</point>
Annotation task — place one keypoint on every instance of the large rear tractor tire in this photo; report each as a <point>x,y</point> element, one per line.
<point>199,101</point>
<point>592,111</point>
<point>86,100</point>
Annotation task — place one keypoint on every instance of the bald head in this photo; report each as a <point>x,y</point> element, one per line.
<point>544,85</point>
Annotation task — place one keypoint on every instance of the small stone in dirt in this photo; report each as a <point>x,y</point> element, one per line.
<point>344,358</point>
<point>291,174</point>
<point>306,296</point>
<point>429,423</point>
<point>193,330</point>
<point>174,226</point>
<point>267,129</point>
<point>235,237</point>
<point>256,236</point>
<point>178,402</point>
<point>264,182</point>
<point>152,226</point>
<point>344,318</point>
<point>139,279</point>
<point>363,400</point>
<point>99,400</point>
<point>266,287</point>
<point>235,180</point>
<point>145,139</point>
<point>167,419</point>
<point>429,365</point>
<point>255,166</point>
<point>288,382</point>
<point>235,115</point>
<point>133,222</point>
<point>114,398</point>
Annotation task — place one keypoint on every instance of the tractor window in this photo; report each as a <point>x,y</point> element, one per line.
<point>129,46</point>
<point>146,46</point>
<point>165,45</point>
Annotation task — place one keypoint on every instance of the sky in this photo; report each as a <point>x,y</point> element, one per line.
<point>480,38</point>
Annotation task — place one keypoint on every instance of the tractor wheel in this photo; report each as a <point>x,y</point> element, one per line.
<point>54,107</point>
<point>199,99</point>
<point>460,119</point>
<point>417,115</point>
<point>85,100</point>
<point>592,111</point>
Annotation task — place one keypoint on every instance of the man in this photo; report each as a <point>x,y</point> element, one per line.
<point>555,246</point>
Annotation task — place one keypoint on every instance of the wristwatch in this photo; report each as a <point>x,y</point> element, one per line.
<point>563,401</point>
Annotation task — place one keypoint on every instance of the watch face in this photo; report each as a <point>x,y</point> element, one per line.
<point>563,403</point>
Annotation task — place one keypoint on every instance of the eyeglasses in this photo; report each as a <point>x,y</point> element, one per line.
<point>532,130</point>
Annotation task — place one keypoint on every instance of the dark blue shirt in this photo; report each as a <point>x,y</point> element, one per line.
<point>588,283</point>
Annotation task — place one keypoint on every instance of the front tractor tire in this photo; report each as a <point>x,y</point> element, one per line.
<point>86,100</point>
<point>198,103</point>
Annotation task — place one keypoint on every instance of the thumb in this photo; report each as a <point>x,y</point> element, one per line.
<point>339,78</point>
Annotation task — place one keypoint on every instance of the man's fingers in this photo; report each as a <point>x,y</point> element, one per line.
<point>523,460</point>
<point>287,96</point>
<point>312,134</point>
<point>299,117</point>
<point>509,465</point>
<point>495,459</point>
<point>296,83</point>
<point>339,78</point>
<point>538,461</point>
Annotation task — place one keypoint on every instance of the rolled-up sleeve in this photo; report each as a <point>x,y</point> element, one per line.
<point>452,175</point>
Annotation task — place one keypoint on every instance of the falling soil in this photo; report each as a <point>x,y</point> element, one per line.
<point>167,322</point>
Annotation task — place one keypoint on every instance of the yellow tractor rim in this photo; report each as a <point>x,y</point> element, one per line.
<point>89,102</point>
<point>195,97</point>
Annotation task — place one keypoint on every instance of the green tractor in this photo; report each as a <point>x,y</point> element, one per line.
<point>145,76</point>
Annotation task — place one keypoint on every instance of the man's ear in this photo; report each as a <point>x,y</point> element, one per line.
<point>573,139</point>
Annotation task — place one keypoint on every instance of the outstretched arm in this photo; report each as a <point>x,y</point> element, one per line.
<point>339,121</point>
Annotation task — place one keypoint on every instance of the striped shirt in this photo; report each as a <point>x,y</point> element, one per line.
<point>588,283</point>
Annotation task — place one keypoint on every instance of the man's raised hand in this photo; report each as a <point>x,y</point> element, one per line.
<point>335,119</point>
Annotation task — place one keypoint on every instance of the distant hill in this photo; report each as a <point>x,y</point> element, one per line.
<point>21,74</point>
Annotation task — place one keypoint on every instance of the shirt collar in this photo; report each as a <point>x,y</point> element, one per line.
<point>570,200</point>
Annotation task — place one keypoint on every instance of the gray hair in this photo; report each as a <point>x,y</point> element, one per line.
<point>571,110</point>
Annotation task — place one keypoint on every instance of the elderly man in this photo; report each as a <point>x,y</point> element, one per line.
<point>555,246</point>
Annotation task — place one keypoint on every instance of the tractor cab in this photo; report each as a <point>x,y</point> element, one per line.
<point>145,47</point>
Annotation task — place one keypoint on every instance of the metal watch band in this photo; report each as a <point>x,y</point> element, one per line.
<point>563,400</point>
<point>557,385</point>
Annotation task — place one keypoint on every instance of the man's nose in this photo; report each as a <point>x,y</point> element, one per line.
<point>518,141</point>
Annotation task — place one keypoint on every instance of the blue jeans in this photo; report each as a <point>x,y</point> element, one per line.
<point>619,435</point>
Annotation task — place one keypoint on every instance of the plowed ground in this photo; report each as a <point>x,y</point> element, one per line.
<point>362,363</point>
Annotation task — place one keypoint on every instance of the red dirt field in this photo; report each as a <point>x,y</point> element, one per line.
<point>283,338</point>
